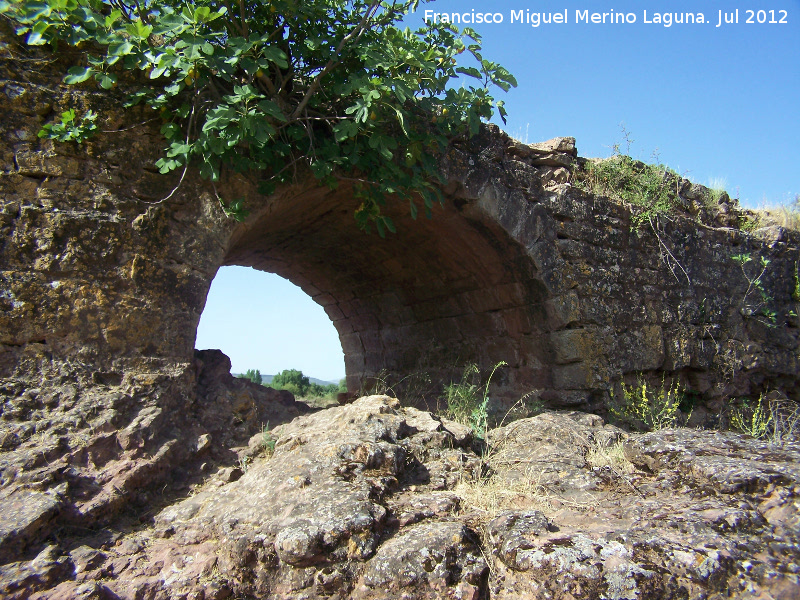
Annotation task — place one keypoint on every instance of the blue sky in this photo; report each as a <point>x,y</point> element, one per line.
<point>720,105</point>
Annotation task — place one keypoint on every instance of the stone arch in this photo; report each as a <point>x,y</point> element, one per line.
<point>442,293</point>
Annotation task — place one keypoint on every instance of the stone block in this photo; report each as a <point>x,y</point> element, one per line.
<point>444,329</point>
<point>502,349</point>
<point>545,255</point>
<point>365,322</point>
<point>559,144</point>
<point>324,299</point>
<point>480,325</point>
<point>573,399</point>
<point>531,377</point>
<point>348,308</point>
<point>640,349</point>
<point>517,321</point>
<point>552,160</point>
<point>530,228</point>
<point>572,345</point>
<point>510,294</point>
<point>40,164</point>
<point>351,343</point>
<point>483,300</point>
<point>426,311</point>
<point>574,376</point>
<point>334,313</point>
<point>563,310</point>
<point>678,348</point>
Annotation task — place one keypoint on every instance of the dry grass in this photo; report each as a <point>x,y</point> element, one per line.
<point>611,457</point>
<point>784,215</point>
<point>785,423</point>
<point>494,493</point>
<point>505,488</point>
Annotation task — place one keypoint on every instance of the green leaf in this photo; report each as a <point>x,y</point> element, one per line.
<point>470,71</point>
<point>120,48</point>
<point>275,55</point>
<point>178,149</point>
<point>170,130</point>
<point>78,75</point>
<point>106,81</point>
<point>138,30</point>
<point>344,130</point>
<point>201,14</point>
<point>273,110</point>
<point>37,35</point>
<point>112,18</point>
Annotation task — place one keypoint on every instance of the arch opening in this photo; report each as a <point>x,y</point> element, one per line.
<point>262,321</point>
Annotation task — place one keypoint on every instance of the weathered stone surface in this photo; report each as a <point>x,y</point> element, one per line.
<point>26,514</point>
<point>371,500</point>
<point>18,580</point>
<point>436,560</point>
<point>552,448</point>
<point>723,460</point>
<point>320,503</point>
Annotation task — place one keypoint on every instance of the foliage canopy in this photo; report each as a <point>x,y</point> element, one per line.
<point>265,87</point>
<point>252,375</point>
<point>302,387</point>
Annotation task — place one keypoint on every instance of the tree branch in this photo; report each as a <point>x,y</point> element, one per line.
<point>356,33</point>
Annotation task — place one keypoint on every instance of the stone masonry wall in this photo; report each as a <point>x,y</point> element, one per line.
<point>666,298</point>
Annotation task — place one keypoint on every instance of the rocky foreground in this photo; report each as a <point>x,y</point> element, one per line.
<point>374,500</point>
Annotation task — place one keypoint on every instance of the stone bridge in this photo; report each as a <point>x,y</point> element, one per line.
<point>103,282</point>
<point>518,265</point>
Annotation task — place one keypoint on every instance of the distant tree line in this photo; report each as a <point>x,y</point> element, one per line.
<point>297,383</point>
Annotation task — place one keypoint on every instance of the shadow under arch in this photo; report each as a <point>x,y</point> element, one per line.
<point>441,293</point>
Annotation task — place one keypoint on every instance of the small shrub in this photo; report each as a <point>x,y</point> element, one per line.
<point>796,290</point>
<point>465,403</point>
<point>776,421</point>
<point>754,420</point>
<point>644,185</point>
<point>749,222</point>
<point>650,408</point>
<point>461,398</point>
<point>716,188</point>
<point>756,300</point>
<point>71,128</point>
<point>611,456</point>
<point>268,441</point>
<point>783,215</point>
<point>785,422</point>
<point>244,463</point>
